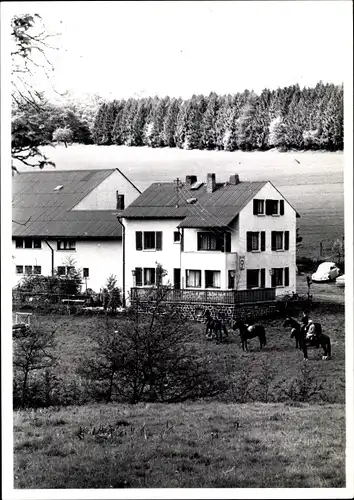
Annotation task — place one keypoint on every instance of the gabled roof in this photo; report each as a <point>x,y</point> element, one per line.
<point>41,210</point>
<point>216,209</point>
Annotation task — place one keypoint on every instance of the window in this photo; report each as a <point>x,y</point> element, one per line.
<point>19,269</point>
<point>280,240</point>
<point>280,276</point>
<point>275,207</point>
<point>214,241</point>
<point>176,237</point>
<point>258,207</point>
<point>28,243</point>
<point>85,272</point>
<point>149,276</point>
<point>148,240</point>
<point>28,269</point>
<point>193,278</point>
<point>212,279</point>
<point>120,201</point>
<point>66,245</point>
<point>37,269</point>
<point>61,270</point>
<point>252,278</point>
<point>255,241</point>
<point>70,269</point>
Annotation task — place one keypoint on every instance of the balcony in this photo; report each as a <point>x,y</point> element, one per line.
<point>230,297</point>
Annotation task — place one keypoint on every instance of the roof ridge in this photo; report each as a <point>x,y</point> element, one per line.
<point>66,170</point>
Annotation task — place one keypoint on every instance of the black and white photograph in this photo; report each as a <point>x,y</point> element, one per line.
<point>177,249</point>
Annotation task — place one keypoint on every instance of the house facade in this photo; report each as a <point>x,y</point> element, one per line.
<point>211,236</point>
<point>61,218</point>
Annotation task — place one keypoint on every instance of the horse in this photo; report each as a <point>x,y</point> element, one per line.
<point>250,332</point>
<point>215,327</point>
<point>299,332</point>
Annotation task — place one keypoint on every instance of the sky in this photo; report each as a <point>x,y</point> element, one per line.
<point>123,49</point>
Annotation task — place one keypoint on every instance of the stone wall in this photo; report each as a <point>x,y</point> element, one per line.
<point>195,312</point>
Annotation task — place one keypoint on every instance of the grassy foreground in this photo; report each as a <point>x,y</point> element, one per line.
<point>199,445</point>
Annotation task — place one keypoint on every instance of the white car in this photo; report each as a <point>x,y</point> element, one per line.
<point>327,271</point>
<point>340,281</point>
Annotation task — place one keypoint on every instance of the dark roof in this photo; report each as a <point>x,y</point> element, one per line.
<point>210,209</point>
<point>41,211</point>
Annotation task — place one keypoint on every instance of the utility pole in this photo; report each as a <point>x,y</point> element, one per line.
<point>177,192</point>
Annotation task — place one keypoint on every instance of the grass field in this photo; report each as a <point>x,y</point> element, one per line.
<point>181,446</point>
<point>314,186</point>
<point>265,442</point>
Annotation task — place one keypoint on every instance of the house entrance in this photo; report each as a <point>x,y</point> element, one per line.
<point>177,278</point>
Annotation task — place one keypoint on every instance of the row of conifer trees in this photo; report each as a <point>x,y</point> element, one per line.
<point>287,118</point>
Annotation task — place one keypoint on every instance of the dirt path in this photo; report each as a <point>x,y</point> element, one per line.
<point>326,292</point>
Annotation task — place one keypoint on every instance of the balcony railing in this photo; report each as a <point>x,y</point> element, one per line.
<point>208,296</point>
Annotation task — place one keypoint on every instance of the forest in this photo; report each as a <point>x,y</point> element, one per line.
<point>288,118</point>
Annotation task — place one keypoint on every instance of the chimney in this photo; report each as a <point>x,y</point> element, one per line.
<point>234,179</point>
<point>191,179</point>
<point>211,184</point>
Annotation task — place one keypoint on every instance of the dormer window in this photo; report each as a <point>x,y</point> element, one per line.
<point>58,188</point>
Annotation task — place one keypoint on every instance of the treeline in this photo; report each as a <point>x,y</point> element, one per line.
<point>288,118</point>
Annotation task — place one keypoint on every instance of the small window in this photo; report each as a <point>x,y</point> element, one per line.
<point>212,279</point>
<point>85,272</point>
<point>19,269</point>
<point>19,242</point>
<point>28,269</point>
<point>149,240</point>
<point>272,207</point>
<point>176,237</point>
<point>149,276</point>
<point>70,270</point>
<point>66,245</point>
<point>193,278</point>
<point>37,244</point>
<point>258,207</point>
<point>210,241</point>
<point>61,270</point>
<point>120,201</point>
<point>277,277</point>
<point>28,243</point>
<point>252,278</point>
<point>231,275</point>
<point>37,270</point>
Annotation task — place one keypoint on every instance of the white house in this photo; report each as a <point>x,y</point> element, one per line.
<point>65,215</point>
<point>207,235</point>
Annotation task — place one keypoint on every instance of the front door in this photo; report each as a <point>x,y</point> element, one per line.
<point>177,278</point>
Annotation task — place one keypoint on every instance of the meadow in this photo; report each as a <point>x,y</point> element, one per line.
<point>256,434</point>
<point>313,182</point>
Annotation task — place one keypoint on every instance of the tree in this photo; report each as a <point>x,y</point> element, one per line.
<point>33,351</point>
<point>338,251</point>
<point>29,55</point>
<point>246,124</point>
<point>64,135</point>
<point>148,358</point>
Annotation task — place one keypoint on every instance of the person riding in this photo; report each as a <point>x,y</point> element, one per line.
<point>311,333</point>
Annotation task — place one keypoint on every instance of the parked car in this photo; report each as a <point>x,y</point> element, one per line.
<point>327,271</point>
<point>340,281</point>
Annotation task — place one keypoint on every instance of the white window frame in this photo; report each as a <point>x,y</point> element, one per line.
<point>219,278</point>
<point>67,245</point>
<point>188,277</point>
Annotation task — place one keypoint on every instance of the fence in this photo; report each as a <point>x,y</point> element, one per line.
<point>227,297</point>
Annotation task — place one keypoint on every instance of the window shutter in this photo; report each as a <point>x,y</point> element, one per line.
<point>228,242</point>
<point>249,242</point>
<point>153,274</point>
<point>255,206</point>
<point>263,243</point>
<point>158,240</point>
<point>286,276</point>
<point>262,278</point>
<point>286,240</point>
<point>281,207</point>
<point>274,244</point>
<point>138,276</point>
<point>199,241</point>
<point>182,241</point>
<point>139,240</point>
<point>268,207</point>
<point>273,279</point>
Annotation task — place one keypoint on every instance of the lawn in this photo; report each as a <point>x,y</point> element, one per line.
<point>311,181</point>
<point>253,435</point>
<point>197,445</point>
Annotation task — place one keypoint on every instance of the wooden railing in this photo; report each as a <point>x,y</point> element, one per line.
<point>208,296</point>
